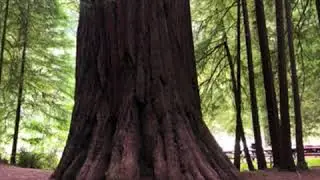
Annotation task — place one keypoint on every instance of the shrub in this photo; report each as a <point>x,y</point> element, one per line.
<point>37,160</point>
<point>28,159</point>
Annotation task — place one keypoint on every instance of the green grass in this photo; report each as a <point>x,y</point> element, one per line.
<point>311,161</point>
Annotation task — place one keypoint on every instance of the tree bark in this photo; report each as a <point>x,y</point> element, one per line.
<point>25,24</point>
<point>270,94</point>
<point>286,161</point>
<point>253,97</point>
<point>237,92</point>
<point>3,37</point>
<point>301,164</point>
<point>137,106</point>
<point>239,127</point>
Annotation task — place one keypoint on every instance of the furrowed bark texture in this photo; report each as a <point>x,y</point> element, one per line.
<point>137,107</point>
<point>286,159</point>
<point>270,94</point>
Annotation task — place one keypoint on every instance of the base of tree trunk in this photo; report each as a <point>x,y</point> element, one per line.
<point>148,146</point>
<point>302,165</point>
<point>137,106</point>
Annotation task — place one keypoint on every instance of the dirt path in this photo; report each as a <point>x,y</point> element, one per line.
<point>16,173</point>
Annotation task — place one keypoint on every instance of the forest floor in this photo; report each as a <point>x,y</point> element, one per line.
<point>16,173</point>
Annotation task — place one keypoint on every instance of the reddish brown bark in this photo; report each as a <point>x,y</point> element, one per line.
<point>137,107</point>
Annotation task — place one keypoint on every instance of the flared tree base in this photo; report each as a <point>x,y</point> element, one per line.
<point>137,105</point>
<point>145,146</point>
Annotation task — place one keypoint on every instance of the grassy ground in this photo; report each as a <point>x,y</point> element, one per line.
<point>311,161</point>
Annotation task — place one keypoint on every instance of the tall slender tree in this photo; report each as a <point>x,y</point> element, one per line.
<point>240,134</point>
<point>286,161</point>
<point>48,77</point>
<point>137,107</point>
<point>295,90</point>
<point>240,129</point>
<point>253,96</point>
<point>3,37</point>
<point>270,94</point>
<point>24,29</point>
<point>237,148</point>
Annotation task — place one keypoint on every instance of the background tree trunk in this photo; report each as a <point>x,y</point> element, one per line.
<point>286,160</point>
<point>25,24</point>
<point>253,97</point>
<point>239,127</point>
<point>237,148</point>
<point>295,90</point>
<point>3,37</point>
<point>137,106</point>
<point>271,102</point>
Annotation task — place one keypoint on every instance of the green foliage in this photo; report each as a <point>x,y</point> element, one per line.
<point>48,82</point>
<point>313,162</point>
<point>215,22</point>
<point>37,160</point>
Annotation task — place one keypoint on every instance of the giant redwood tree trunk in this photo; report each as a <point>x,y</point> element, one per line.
<point>137,106</point>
